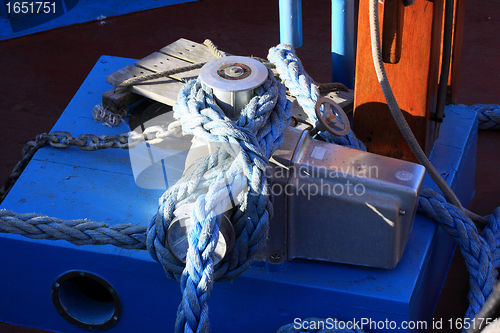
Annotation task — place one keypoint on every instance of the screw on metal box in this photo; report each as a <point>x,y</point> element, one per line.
<point>233,80</point>
<point>86,300</point>
<point>178,231</point>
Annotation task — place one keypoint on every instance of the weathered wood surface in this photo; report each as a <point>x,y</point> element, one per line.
<point>414,80</point>
<point>456,54</point>
<point>165,90</point>
<point>115,100</point>
<point>392,34</point>
<point>182,53</point>
<point>188,51</point>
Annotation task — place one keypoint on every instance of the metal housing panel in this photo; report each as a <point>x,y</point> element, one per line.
<point>331,183</point>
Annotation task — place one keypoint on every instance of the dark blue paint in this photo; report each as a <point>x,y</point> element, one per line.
<point>69,12</point>
<point>20,21</point>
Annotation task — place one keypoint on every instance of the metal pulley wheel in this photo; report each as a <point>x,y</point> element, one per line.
<point>233,80</point>
<point>332,119</point>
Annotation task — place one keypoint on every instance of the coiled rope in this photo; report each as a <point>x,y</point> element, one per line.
<point>305,90</point>
<point>77,232</point>
<point>258,132</point>
<point>477,250</point>
<point>488,116</point>
<point>481,254</point>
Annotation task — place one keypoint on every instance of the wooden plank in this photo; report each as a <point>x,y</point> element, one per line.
<point>158,62</point>
<point>126,73</point>
<point>163,90</point>
<point>393,31</point>
<point>414,81</point>
<point>115,100</point>
<point>158,90</point>
<point>188,51</point>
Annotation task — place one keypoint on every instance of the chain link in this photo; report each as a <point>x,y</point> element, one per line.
<point>89,142</point>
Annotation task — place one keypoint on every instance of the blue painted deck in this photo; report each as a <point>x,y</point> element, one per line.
<point>15,23</point>
<point>100,186</point>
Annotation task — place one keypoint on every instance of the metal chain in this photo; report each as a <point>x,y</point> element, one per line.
<point>62,140</point>
<point>89,142</point>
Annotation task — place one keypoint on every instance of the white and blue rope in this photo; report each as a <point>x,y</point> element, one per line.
<point>258,133</point>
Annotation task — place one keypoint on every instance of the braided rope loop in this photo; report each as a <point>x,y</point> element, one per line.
<point>305,90</point>
<point>238,167</point>
<point>476,250</point>
<point>257,133</point>
<point>491,234</point>
<point>78,232</point>
<point>488,116</point>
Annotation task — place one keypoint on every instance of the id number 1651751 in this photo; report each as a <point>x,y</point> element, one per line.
<point>37,7</point>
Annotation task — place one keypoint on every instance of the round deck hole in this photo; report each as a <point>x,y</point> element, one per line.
<point>86,300</point>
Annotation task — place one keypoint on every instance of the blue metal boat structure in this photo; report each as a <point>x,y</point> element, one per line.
<point>358,265</point>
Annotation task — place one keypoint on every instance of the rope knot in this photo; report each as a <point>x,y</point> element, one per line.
<point>305,90</point>
<point>233,172</point>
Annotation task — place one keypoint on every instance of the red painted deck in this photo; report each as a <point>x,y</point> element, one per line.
<point>41,73</point>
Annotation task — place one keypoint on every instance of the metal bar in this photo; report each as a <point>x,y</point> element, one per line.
<point>343,42</point>
<point>291,22</point>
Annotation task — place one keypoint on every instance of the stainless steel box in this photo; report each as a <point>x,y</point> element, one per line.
<point>340,204</point>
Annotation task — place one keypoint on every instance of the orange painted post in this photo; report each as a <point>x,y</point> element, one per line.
<point>414,77</point>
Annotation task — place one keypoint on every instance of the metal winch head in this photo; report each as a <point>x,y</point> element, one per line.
<point>233,80</point>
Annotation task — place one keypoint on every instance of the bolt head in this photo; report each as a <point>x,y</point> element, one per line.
<point>234,71</point>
